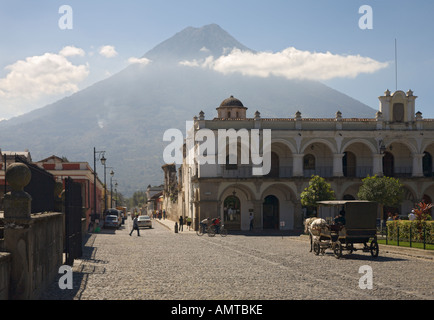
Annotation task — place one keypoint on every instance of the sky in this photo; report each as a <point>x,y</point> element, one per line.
<point>50,49</point>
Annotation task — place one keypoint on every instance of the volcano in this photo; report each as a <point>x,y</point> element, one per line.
<point>127,114</point>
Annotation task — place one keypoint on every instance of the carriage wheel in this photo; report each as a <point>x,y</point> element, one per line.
<point>337,249</point>
<point>374,248</point>
<point>316,248</point>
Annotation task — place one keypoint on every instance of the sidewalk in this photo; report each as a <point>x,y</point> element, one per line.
<point>169,224</point>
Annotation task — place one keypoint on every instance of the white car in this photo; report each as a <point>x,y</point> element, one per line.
<point>144,221</point>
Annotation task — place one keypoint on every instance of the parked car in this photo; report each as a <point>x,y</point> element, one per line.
<point>144,221</point>
<point>112,221</point>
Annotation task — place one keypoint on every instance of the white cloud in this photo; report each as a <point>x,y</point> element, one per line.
<point>291,63</point>
<point>70,51</point>
<point>141,61</point>
<point>33,80</point>
<point>108,51</point>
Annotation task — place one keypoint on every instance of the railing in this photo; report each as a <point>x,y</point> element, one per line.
<point>325,172</point>
<point>408,234</point>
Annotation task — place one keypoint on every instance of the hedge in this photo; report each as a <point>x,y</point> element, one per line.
<point>415,228</point>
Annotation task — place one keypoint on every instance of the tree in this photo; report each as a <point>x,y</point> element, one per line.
<point>386,191</point>
<point>318,190</point>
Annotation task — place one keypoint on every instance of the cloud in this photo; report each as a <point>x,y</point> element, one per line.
<point>108,51</point>
<point>290,63</point>
<point>141,61</point>
<point>70,51</point>
<point>33,79</point>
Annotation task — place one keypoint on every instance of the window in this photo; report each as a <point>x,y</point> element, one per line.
<point>398,112</point>
<point>309,162</point>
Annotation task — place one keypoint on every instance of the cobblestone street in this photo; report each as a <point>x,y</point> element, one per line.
<point>163,265</point>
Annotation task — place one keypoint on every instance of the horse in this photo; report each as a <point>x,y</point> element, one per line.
<point>313,227</point>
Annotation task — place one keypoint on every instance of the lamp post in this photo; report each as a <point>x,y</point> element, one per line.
<point>100,157</point>
<point>112,173</point>
<point>116,196</point>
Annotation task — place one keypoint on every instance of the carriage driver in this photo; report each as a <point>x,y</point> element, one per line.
<point>340,219</point>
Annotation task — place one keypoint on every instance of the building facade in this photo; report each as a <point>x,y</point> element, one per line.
<point>81,173</point>
<point>396,142</point>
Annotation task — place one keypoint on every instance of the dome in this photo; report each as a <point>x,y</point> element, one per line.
<point>232,102</point>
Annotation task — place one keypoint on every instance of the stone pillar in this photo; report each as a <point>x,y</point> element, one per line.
<point>377,165</point>
<point>418,165</point>
<point>257,214</point>
<point>297,170</point>
<point>298,215</point>
<point>17,220</point>
<point>337,165</point>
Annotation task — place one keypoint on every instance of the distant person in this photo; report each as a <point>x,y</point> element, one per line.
<point>251,221</point>
<point>188,222</point>
<point>181,223</point>
<point>340,219</point>
<point>135,227</point>
<point>411,216</point>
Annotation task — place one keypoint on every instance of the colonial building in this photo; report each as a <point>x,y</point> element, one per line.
<point>396,142</point>
<point>81,173</point>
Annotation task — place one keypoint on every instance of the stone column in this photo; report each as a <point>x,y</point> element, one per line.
<point>17,220</point>
<point>257,214</point>
<point>417,165</point>
<point>337,165</point>
<point>297,170</point>
<point>377,165</point>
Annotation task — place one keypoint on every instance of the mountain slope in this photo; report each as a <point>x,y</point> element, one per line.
<point>126,115</point>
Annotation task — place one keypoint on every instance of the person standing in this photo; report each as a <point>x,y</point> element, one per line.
<point>181,222</point>
<point>251,221</point>
<point>188,222</point>
<point>411,216</point>
<point>135,227</point>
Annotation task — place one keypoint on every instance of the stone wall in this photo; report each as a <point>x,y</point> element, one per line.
<point>36,245</point>
<point>5,269</point>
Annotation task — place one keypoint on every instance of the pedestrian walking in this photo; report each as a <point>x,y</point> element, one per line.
<point>251,221</point>
<point>188,223</point>
<point>135,227</point>
<point>181,222</point>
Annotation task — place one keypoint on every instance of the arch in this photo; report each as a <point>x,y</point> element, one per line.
<point>371,147</point>
<point>287,192</point>
<point>329,144</point>
<point>410,146</point>
<point>287,143</point>
<point>248,194</point>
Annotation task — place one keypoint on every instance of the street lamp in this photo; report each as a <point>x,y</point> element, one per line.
<point>103,159</point>
<point>112,173</point>
<point>116,196</point>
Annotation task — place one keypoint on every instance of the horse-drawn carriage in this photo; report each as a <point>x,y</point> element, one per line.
<point>357,227</point>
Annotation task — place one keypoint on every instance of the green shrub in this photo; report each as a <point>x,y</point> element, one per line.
<point>414,228</point>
